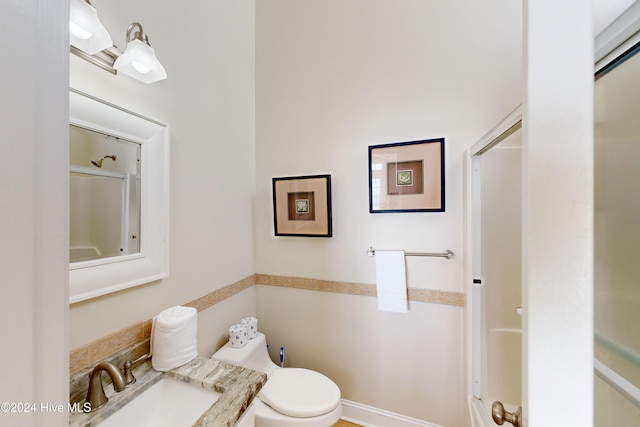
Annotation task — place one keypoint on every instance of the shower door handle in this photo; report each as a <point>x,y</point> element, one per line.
<point>499,415</point>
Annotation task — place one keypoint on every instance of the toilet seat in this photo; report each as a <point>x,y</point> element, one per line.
<point>300,393</point>
<point>266,416</point>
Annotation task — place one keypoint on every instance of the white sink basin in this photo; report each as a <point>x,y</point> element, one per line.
<point>168,403</point>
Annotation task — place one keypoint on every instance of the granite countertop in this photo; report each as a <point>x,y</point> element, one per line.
<point>237,386</point>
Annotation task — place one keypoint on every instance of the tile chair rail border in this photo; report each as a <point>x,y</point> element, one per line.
<point>89,354</point>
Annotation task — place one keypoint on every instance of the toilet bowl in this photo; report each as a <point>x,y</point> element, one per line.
<point>291,397</point>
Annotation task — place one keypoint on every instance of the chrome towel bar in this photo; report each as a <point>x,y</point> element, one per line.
<point>446,254</point>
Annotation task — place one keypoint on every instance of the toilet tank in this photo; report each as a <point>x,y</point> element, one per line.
<point>253,355</point>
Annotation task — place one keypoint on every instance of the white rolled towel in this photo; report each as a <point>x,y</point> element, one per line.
<point>174,338</point>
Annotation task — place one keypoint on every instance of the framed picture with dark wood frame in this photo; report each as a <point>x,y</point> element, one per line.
<point>407,177</point>
<point>302,206</point>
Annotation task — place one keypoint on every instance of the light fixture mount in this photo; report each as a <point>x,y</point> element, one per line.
<point>139,35</point>
<point>103,59</point>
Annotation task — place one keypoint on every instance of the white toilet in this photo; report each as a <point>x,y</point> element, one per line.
<point>291,397</point>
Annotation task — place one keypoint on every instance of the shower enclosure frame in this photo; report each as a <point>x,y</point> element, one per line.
<point>473,266</point>
<point>124,203</point>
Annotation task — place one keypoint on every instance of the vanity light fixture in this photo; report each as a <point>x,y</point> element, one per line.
<point>139,59</point>
<point>91,41</point>
<point>86,31</point>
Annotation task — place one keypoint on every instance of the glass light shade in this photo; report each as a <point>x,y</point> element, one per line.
<point>86,31</point>
<point>139,61</point>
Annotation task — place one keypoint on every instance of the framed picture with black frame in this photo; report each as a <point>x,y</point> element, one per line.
<point>407,177</point>
<point>302,206</point>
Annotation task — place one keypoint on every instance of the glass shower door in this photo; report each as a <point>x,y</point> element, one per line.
<point>617,243</point>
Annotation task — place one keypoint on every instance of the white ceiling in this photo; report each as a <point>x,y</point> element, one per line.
<point>605,11</point>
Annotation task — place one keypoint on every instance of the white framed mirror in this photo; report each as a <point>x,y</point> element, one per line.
<point>119,168</point>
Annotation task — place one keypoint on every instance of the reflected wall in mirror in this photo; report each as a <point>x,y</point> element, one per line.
<point>104,191</point>
<point>119,198</point>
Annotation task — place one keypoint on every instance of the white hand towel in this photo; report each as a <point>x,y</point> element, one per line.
<point>174,338</point>
<point>391,281</point>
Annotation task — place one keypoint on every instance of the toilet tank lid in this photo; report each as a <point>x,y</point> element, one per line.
<point>240,356</point>
<point>301,393</point>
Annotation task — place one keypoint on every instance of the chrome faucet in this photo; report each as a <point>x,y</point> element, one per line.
<point>95,393</point>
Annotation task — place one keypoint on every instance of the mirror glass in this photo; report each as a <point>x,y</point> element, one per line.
<point>104,195</point>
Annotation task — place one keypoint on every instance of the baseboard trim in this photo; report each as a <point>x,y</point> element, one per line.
<point>368,416</point>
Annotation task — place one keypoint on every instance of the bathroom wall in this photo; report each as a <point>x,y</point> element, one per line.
<point>33,187</point>
<point>332,78</point>
<point>208,101</point>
